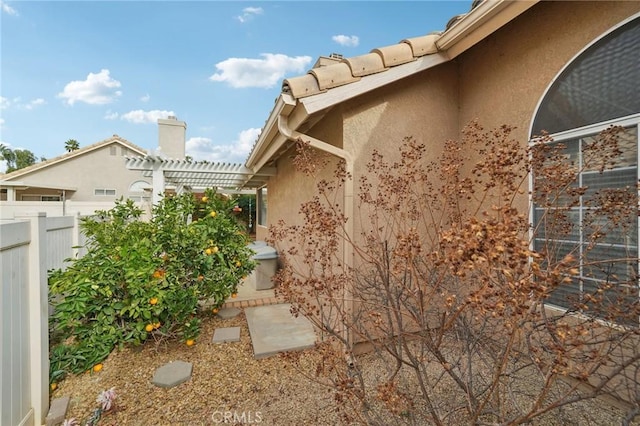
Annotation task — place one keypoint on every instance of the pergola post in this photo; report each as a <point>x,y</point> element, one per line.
<point>157,182</point>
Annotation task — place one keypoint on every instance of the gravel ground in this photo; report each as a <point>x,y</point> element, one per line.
<point>229,386</point>
<point>226,381</point>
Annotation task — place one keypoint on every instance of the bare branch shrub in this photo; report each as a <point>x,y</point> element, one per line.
<point>450,283</point>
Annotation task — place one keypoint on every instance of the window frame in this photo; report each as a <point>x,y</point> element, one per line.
<point>578,133</point>
<point>106,192</point>
<point>261,206</point>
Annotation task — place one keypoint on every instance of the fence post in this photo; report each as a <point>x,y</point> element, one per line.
<point>38,316</point>
<point>76,235</point>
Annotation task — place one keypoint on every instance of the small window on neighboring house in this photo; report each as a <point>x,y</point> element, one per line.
<point>123,151</point>
<point>598,89</point>
<point>104,192</point>
<point>262,206</point>
<point>112,150</point>
<point>51,198</point>
<point>3,194</point>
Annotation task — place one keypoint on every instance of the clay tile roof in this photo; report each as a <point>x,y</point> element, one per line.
<point>333,75</point>
<point>334,72</point>
<point>362,65</point>
<point>396,54</point>
<point>299,87</point>
<point>425,45</point>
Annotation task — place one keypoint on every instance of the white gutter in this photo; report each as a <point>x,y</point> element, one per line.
<point>347,249</point>
<point>258,159</point>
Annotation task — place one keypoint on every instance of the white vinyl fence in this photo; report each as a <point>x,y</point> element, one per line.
<point>30,245</point>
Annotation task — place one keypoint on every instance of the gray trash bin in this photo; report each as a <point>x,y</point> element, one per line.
<point>267,264</point>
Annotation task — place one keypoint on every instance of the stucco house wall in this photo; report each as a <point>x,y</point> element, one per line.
<point>80,173</point>
<point>503,78</point>
<point>498,81</point>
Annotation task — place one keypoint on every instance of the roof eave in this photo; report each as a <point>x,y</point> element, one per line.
<point>270,137</point>
<point>73,154</point>
<point>480,22</point>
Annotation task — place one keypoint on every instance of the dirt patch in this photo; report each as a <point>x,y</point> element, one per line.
<point>226,381</point>
<point>229,386</point>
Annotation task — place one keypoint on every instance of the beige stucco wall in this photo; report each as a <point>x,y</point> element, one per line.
<point>86,172</point>
<point>499,81</point>
<point>504,77</point>
<point>290,188</point>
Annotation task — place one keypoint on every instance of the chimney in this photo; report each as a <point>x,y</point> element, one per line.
<point>171,137</point>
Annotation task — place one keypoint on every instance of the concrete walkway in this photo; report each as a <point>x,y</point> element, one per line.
<point>273,330</point>
<point>271,326</point>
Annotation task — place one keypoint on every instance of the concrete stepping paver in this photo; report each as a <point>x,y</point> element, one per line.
<point>57,411</point>
<point>273,330</point>
<point>172,374</point>
<point>226,334</point>
<point>228,313</point>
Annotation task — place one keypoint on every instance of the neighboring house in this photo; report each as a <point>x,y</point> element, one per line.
<point>89,178</point>
<point>571,68</point>
<point>92,173</point>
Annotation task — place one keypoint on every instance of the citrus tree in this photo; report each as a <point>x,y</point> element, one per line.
<point>145,279</point>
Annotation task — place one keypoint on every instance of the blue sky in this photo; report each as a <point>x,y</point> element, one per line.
<point>86,70</point>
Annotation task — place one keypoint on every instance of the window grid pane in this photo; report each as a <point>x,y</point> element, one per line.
<point>607,245</point>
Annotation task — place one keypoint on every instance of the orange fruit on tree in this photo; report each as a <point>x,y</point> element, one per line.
<point>190,342</point>
<point>97,368</point>
<point>200,277</point>
<point>213,214</point>
<point>234,295</point>
<point>153,300</point>
<point>149,327</point>
<point>215,249</point>
<point>54,386</point>
<point>205,199</point>
<point>238,264</point>
<point>215,310</point>
<point>208,251</point>
<point>156,325</point>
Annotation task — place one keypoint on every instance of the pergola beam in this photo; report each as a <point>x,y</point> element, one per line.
<point>230,177</point>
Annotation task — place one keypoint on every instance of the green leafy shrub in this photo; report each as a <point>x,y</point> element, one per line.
<point>142,279</point>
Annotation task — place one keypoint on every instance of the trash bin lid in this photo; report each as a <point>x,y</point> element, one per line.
<point>264,253</point>
<point>257,244</point>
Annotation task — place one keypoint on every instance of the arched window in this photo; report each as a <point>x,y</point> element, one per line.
<point>600,88</point>
<point>140,190</point>
<point>601,84</point>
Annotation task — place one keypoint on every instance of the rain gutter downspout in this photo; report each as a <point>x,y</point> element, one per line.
<point>347,249</point>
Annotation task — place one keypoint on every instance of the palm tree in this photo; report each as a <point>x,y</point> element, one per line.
<point>8,156</point>
<point>71,145</point>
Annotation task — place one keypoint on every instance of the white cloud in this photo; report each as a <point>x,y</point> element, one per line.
<point>248,13</point>
<point>97,89</point>
<point>1,122</point>
<point>265,72</point>
<point>201,148</point>
<point>111,115</point>
<point>145,98</point>
<point>139,116</point>
<point>349,41</point>
<point>8,9</point>
<point>34,103</point>
<point>17,103</point>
